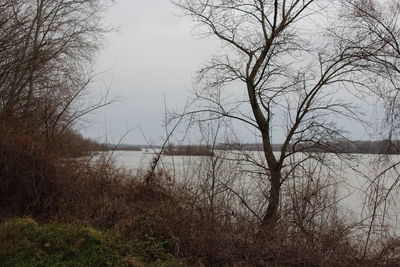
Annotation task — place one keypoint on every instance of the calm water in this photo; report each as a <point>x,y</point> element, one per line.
<point>357,178</point>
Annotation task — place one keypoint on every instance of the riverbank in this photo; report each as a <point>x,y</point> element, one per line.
<point>193,221</point>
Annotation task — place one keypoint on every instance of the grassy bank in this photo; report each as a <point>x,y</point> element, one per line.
<point>24,242</point>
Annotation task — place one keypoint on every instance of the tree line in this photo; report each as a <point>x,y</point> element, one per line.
<point>341,146</point>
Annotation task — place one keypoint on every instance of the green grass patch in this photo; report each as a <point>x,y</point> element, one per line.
<point>23,242</point>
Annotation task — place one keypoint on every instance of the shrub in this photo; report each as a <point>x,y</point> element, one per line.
<point>27,176</point>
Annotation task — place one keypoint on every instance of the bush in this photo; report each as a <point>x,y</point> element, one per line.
<point>28,184</point>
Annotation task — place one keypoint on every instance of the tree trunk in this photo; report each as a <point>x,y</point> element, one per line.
<point>271,216</point>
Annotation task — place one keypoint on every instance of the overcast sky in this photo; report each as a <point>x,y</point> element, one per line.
<point>153,54</point>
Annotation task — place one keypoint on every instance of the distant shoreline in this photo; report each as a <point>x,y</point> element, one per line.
<point>380,147</point>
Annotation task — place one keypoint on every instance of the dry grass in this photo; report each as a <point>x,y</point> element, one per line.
<point>39,184</point>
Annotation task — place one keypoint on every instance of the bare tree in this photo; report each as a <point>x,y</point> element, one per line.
<point>377,25</point>
<point>46,50</point>
<point>292,73</point>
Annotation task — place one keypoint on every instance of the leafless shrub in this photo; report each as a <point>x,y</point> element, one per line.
<point>28,176</point>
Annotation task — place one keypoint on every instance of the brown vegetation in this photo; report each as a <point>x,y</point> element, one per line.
<point>39,184</point>
<point>42,78</point>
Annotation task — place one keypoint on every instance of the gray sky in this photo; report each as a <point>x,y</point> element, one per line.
<point>152,55</point>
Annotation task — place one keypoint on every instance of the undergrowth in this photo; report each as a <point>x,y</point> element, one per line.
<point>88,212</point>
